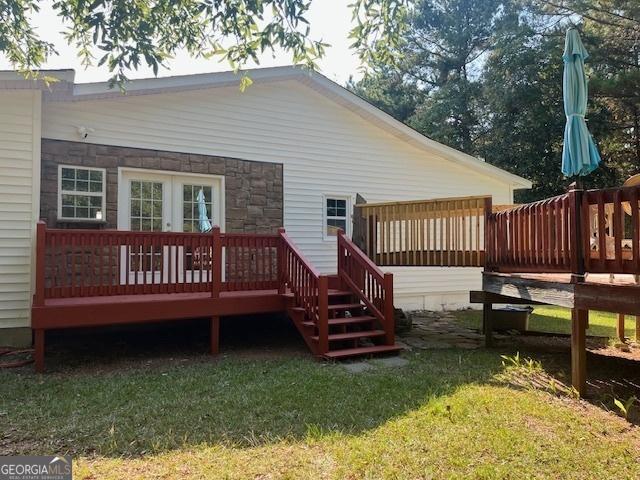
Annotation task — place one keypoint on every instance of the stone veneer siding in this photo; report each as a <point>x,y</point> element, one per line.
<point>253,190</point>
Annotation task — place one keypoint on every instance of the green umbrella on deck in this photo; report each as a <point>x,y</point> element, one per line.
<point>579,153</point>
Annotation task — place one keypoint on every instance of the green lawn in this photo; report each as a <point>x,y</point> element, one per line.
<point>448,413</point>
<point>558,320</point>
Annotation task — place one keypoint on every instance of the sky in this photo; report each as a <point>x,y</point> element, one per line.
<point>330,21</point>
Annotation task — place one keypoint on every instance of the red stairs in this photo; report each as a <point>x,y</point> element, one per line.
<point>345,315</point>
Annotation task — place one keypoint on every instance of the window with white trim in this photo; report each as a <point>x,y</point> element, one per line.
<point>336,211</point>
<point>81,193</point>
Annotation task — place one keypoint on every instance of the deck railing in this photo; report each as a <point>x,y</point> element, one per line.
<point>611,230</point>
<point>86,263</point>
<point>439,232</point>
<point>532,237</point>
<point>593,231</point>
<point>310,289</point>
<point>251,261</point>
<point>373,287</point>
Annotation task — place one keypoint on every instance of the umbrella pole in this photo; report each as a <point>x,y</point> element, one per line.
<point>579,183</point>
<point>577,264</point>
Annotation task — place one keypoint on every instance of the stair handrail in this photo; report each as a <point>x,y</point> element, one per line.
<point>372,286</point>
<point>310,289</point>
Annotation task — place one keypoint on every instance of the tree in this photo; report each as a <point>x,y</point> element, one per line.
<point>509,110</point>
<point>611,32</point>
<point>522,91</point>
<point>389,92</point>
<point>440,57</point>
<point>131,33</point>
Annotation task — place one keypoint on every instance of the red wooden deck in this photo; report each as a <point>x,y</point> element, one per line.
<point>92,278</point>
<point>93,311</point>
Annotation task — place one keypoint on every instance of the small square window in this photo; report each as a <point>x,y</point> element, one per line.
<point>81,193</point>
<point>69,173</point>
<point>335,215</point>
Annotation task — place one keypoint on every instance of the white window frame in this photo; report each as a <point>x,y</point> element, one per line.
<point>124,202</point>
<point>102,194</point>
<point>325,217</point>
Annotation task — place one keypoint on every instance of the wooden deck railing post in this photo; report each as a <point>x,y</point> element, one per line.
<point>389,311</point>
<point>489,264</point>
<point>282,279</point>
<point>323,314</point>
<point>216,264</point>
<point>41,232</point>
<point>488,243</point>
<point>340,252</point>
<point>577,245</point>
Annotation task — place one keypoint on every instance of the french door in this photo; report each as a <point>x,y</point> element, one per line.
<point>158,202</point>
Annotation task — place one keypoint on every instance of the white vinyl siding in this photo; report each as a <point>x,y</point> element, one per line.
<point>19,184</point>
<point>324,147</point>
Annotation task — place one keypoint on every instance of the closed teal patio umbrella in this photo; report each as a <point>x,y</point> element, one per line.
<point>579,153</point>
<point>203,219</point>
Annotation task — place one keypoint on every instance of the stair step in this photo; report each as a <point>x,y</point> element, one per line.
<point>353,335</point>
<point>361,351</point>
<point>337,307</point>
<point>340,293</point>
<point>345,306</point>
<point>332,293</point>
<point>344,321</point>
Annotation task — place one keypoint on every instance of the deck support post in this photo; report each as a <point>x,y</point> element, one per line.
<point>487,324</point>
<point>579,320</point>
<point>215,335</point>
<point>38,353</point>
<point>637,328</point>
<point>620,327</point>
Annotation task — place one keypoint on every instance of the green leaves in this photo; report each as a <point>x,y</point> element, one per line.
<point>379,30</point>
<point>245,82</point>
<point>625,406</point>
<point>18,42</point>
<point>127,34</point>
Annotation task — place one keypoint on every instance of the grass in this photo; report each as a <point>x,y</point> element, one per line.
<point>558,320</point>
<point>447,413</point>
